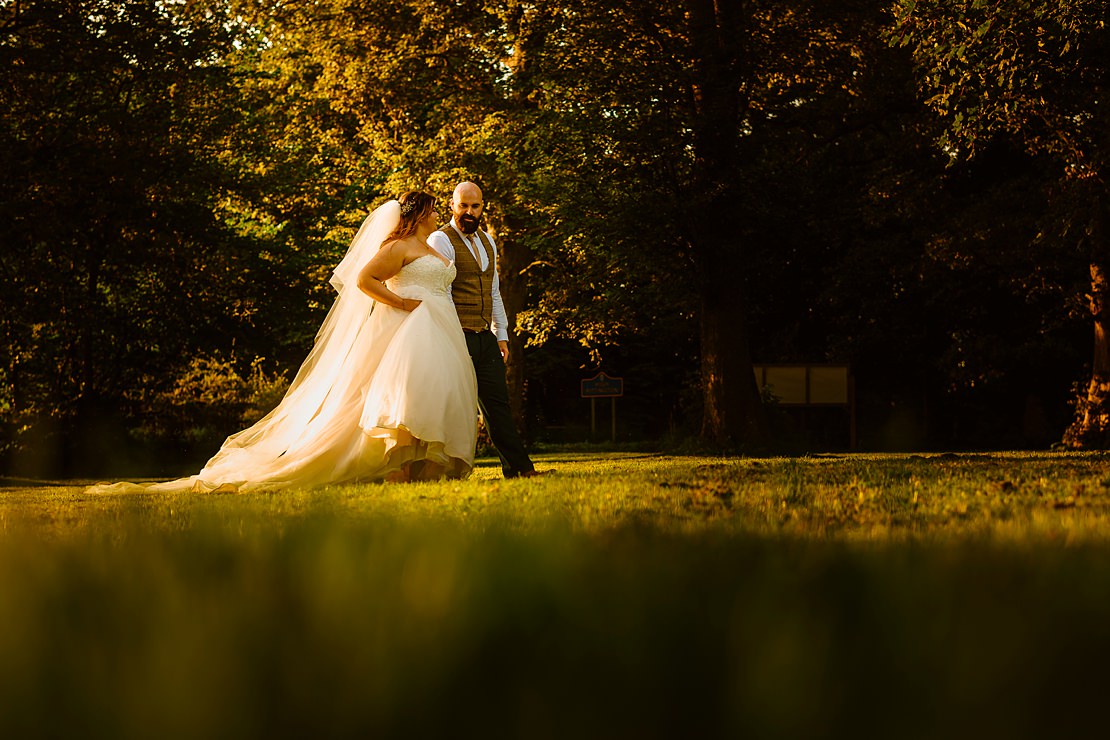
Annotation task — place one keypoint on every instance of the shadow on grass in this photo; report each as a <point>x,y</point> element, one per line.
<point>203,625</point>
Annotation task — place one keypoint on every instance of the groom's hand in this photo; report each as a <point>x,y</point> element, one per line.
<point>504,346</point>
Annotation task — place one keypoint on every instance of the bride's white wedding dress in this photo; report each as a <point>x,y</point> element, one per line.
<point>381,388</point>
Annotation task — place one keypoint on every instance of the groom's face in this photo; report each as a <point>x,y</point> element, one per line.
<point>468,210</point>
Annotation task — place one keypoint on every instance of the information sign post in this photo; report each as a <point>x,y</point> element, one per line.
<point>603,386</point>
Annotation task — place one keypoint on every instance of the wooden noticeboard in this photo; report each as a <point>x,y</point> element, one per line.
<point>810,385</point>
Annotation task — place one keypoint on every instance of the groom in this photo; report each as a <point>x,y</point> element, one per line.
<point>477,296</point>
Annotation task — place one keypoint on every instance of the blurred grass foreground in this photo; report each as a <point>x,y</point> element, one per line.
<point>625,596</point>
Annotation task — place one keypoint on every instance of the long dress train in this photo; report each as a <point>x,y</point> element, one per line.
<point>381,388</point>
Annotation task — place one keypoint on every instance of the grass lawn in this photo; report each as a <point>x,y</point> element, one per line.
<point>627,595</point>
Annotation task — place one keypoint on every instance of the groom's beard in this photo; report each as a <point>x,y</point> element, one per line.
<point>468,223</point>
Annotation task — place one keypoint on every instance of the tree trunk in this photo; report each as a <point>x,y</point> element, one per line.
<point>512,258</point>
<point>1091,427</point>
<point>733,415</point>
<point>528,24</point>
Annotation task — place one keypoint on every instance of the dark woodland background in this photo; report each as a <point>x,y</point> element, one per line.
<point>678,189</point>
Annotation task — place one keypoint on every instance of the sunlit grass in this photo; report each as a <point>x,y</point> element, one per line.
<point>626,595</point>
<point>1005,496</point>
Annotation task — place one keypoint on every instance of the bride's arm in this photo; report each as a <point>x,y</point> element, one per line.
<point>384,265</point>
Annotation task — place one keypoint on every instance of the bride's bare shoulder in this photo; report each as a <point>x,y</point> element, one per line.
<point>397,248</point>
<point>406,248</point>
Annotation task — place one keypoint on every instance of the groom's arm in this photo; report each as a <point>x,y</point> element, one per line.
<point>439,242</point>
<point>499,320</point>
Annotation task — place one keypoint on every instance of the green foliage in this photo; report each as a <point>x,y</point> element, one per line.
<point>110,118</point>
<point>180,178</point>
<point>156,208</point>
<point>1031,69</point>
<point>209,398</point>
<point>1029,75</point>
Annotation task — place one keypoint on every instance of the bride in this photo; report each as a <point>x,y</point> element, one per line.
<point>387,392</point>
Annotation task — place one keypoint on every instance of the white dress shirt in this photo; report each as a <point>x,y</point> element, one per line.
<point>442,244</point>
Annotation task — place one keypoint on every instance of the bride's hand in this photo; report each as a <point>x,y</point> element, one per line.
<point>409,304</point>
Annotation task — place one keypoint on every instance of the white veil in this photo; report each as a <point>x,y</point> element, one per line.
<point>323,369</point>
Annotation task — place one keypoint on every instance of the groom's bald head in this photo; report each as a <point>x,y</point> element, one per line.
<point>466,205</point>
<point>467,192</point>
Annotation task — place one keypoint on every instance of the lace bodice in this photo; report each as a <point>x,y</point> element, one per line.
<point>427,274</point>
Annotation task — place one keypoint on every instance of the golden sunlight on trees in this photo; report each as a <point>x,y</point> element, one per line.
<point>678,191</point>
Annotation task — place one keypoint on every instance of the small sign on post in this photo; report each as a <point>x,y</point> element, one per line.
<point>603,386</point>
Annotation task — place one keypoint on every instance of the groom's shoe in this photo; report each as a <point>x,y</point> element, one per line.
<point>531,473</point>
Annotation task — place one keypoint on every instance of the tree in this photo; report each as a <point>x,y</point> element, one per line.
<point>1032,72</point>
<point>581,136</point>
<point>128,248</point>
<point>439,93</point>
<point>676,124</point>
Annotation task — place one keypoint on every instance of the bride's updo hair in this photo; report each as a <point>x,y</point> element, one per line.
<point>415,207</point>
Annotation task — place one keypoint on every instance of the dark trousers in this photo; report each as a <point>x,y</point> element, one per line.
<point>493,400</point>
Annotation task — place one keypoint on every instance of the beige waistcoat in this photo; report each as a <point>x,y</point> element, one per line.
<point>473,287</point>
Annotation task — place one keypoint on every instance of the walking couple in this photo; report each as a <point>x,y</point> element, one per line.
<point>414,345</point>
